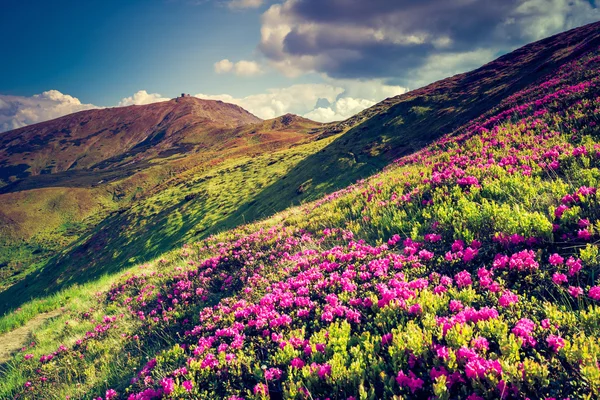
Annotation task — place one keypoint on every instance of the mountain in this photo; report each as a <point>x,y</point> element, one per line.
<point>188,168</point>
<point>113,137</point>
<point>64,178</point>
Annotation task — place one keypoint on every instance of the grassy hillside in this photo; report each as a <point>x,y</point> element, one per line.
<point>466,270</point>
<point>49,220</point>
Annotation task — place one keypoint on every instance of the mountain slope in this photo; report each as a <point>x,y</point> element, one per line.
<point>353,149</point>
<point>466,270</point>
<point>400,125</point>
<point>147,153</point>
<point>114,136</point>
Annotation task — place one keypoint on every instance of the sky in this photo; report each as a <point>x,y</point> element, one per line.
<point>323,59</point>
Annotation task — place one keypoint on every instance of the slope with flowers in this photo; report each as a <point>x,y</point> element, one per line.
<point>467,270</point>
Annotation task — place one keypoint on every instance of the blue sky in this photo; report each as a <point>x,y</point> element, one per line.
<point>324,59</point>
<point>101,51</point>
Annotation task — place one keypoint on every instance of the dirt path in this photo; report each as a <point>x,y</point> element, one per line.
<point>17,338</point>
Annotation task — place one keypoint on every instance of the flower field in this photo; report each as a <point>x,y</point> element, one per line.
<point>467,270</point>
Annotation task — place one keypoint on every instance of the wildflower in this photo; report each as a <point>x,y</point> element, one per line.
<point>555,259</point>
<point>387,338</point>
<point>463,279</point>
<point>575,291</point>
<point>555,342</point>
<point>559,278</point>
<point>324,370</point>
<point>297,363</point>
<point>508,298</point>
<point>560,210</point>
<point>168,385</point>
<point>411,381</point>
<point>594,293</point>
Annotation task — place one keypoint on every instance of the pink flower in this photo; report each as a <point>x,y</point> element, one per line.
<point>455,305</point>
<point>425,255</point>
<point>110,394</point>
<point>555,342</point>
<point>415,309</point>
<point>28,356</point>
<point>411,381</point>
<point>574,265</point>
<point>559,278</point>
<point>575,291</point>
<point>168,385</point>
<point>584,234</point>
<point>584,223</point>
<point>463,279</point>
<point>555,259</point>
<point>469,254</point>
<point>387,338</point>
<point>324,370</point>
<point>560,210</point>
<point>273,374</point>
<point>261,388</point>
<point>594,293</point>
<point>187,385</point>
<point>297,363</point>
<point>523,260</point>
<point>508,298</point>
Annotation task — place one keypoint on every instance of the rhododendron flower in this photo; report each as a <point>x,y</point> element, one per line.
<point>584,223</point>
<point>297,363</point>
<point>508,298</point>
<point>584,234</point>
<point>411,381</point>
<point>555,342</point>
<point>455,305</point>
<point>575,291</point>
<point>324,370</point>
<point>594,293</point>
<point>273,374</point>
<point>261,388</point>
<point>560,210</point>
<point>469,254</point>
<point>463,279</point>
<point>523,260</point>
<point>574,266</point>
<point>187,385</point>
<point>556,259</point>
<point>387,338</point>
<point>110,394</point>
<point>559,278</point>
<point>168,385</point>
<point>415,309</point>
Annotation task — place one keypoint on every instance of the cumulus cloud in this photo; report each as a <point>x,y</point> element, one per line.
<point>240,68</point>
<point>223,66</point>
<point>239,4</point>
<point>349,39</point>
<point>142,97</point>
<point>19,111</point>
<point>323,102</point>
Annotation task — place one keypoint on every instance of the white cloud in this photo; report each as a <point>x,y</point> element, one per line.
<point>223,66</point>
<point>142,97</point>
<point>440,66</point>
<point>237,4</point>
<point>340,110</point>
<point>247,68</point>
<point>324,102</point>
<point>240,68</point>
<point>19,111</point>
<point>344,98</point>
